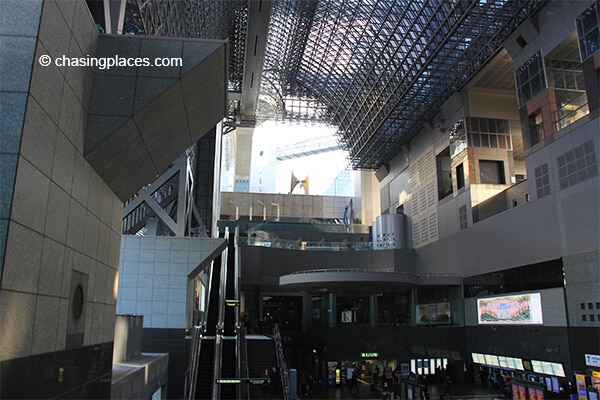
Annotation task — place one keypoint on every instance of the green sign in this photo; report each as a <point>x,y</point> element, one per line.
<point>369,355</point>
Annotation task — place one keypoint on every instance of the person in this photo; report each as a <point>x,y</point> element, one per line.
<point>446,386</point>
<point>304,386</point>
<point>354,382</point>
<point>376,375</point>
<point>275,381</point>
<point>396,375</point>
<point>385,395</point>
<point>266,376</point>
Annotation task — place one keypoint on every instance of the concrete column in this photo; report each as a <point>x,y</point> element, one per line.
<point>373,310</point>
<point>413,298</point>
<point>332,310</point>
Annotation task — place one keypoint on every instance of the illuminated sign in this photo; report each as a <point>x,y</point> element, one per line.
<point>234,381</point>
<point>592,360</point>
<point>369,355</point>
<point>510,310</point>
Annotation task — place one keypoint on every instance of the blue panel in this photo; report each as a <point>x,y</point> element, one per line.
<point>15,71</point>
<point>11,120</point>
<point>20,18</point>
<point>8,167</point>
<point>3,233</point>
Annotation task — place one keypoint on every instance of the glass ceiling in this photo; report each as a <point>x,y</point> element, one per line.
<point>375,69</point>
<point>379,69</point>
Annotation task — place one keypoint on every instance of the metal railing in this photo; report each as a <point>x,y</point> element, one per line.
<point>192,372</point>
<point>283,369</point>
<point>564,116</point>
<point>312,246</point>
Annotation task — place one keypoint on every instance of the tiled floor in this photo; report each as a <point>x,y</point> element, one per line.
<point>458,392</point>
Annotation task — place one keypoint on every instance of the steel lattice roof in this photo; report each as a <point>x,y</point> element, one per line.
<point>379,69</point>
<point>375,69</point>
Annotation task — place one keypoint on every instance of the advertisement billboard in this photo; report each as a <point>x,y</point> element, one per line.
<point>524,309</point>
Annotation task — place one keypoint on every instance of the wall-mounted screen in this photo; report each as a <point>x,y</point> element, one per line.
<point>478,358</point>
<point>518,364</point>
<point>548,368</point>
<point>518,309</point>
<point>435,313</point>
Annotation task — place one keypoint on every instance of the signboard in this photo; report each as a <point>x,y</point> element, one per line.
<point>347,316</point>
<point>592,360</point>
<point>540,394</point>
<point>555,386</point>
<point>581,389</point>
<point>510,310</point>
<point>435,313</point>
<point>373,354</point>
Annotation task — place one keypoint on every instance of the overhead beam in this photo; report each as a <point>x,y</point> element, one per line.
<point>259,14</point>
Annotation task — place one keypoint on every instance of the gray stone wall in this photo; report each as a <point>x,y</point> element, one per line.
<point>65,222</point>
<point>19,23</point>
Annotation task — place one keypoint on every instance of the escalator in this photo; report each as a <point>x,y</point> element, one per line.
<point>229,353</point>
<point>261,356</point>
<point>205,381</point>
<point>230,290</point>
<point>229,368</point>
<point>205,377</point>
<point>218,343</point>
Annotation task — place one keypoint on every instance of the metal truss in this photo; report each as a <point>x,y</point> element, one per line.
<point>206,19</point>
<point>379,69</point>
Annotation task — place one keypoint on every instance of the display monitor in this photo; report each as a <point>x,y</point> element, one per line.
<point>537,366</point>
<point>518,364</point>
<point>510,310</point>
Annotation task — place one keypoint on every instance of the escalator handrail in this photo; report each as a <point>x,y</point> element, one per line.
<point>284,372</point>
<point>220,322</point>
<point>192,377</point>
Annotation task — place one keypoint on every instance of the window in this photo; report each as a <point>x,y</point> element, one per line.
<point>536,129</point>
<point>588,31</point>
<point>492,172</point>
<point>542,181</point>
<point>488,133</point>
<point>457,137</point>
<point>462,217</point>
<point>530,78</point>
<point>460,176</point>
<point>577,165</point>
<point>583,317</point>
<point>565,74</point>
<point>444,174</point>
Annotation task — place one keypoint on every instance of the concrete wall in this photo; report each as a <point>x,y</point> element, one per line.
<point>153,279</point>
<point>582,276</point>
<point>64,218</point>
<point>61,221</point>
<point>290,205</point>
